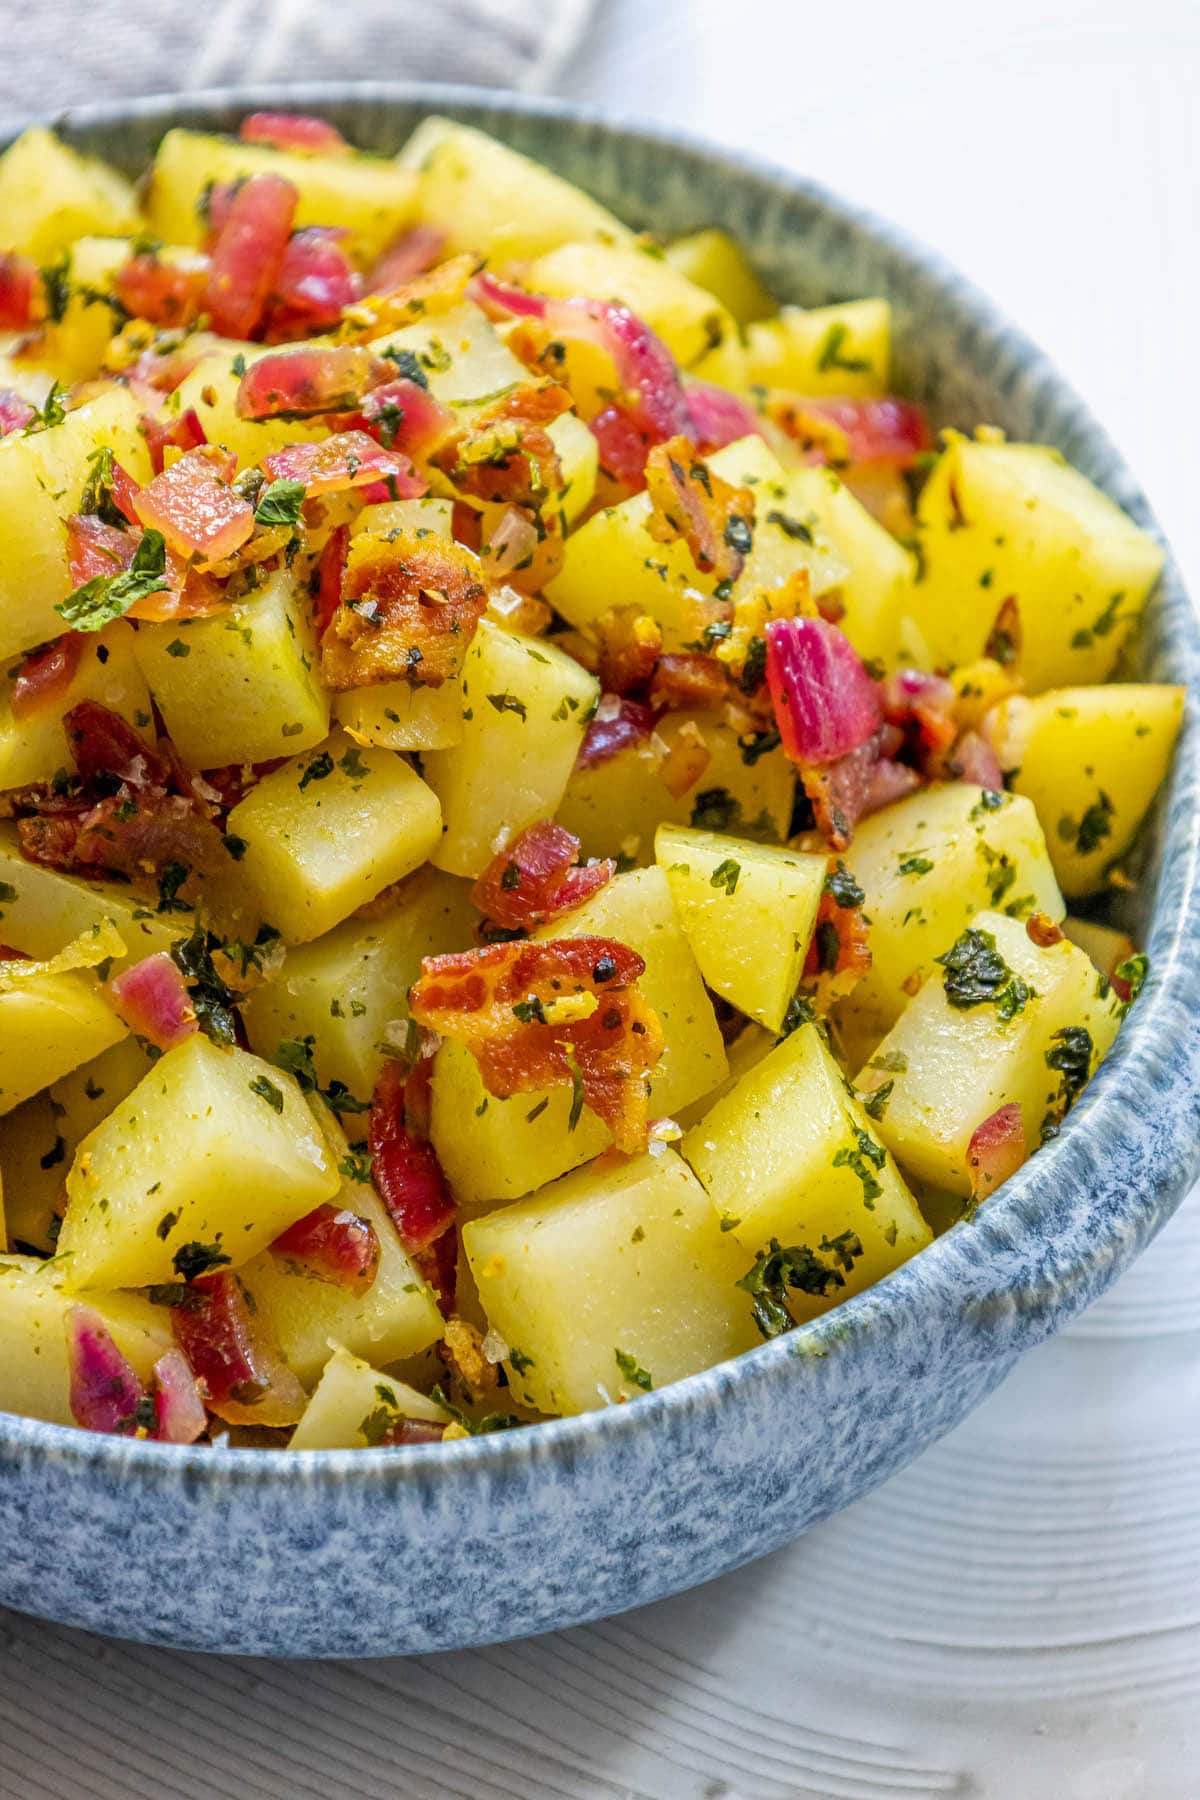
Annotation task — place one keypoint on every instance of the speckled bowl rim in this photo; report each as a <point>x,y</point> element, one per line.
<point>964,1267</point>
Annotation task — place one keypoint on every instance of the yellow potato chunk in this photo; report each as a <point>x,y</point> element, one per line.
<point>42,909</point>
<point>612,1281</point>
<point>875,591</point>
<point>1091,759</point>
<point>844,349</point>
<point>494,1149</point>
<point>1001,521</point>
<point>329,830</point>
<point>239,687</point>
<point>749,1047</point>
<point>615,807</point>
<point>348,991</point>
<point>48,1025</point>
<point>525,708</point>
<point>397,1315</point>
<point>41,479</point>
<point>371,197</point>
<point>494,200</point>
<point>748,911</point>
<point>788,1157</point>
<point>690,321</point>
<point>50,195</point>
<point>1043,1023</point>
<point>715,261</point>
<point>355,1406</point>
<point>927,865</point>
<point>204,1163</point>
<point>35,1373</point>
<point>33,746</point>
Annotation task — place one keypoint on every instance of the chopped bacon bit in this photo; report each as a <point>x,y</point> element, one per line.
<point>405,416</point>
<point>152,998</point>
<point>853,431</point>
<point>334,1245</point>
<point>973,759</point>
<point>996,1150</point>
<point>537,1015</point>
<point>909,696</point>
<point>688,681</point>
<point>630,644</point>
<point>316,282</point>
<point>620,724</point>
<point>317,378</point>
<point>466,526</point>
<point>687,759</point>
<point>622,447</point>
<point>712,517</point>
<point>825,702</point>
<point>1004,643</point>
<point>46,675</point>
<point>847,790</point>
<point>299,133</point>
<point>349,460</point>
<point>330,570</point>
<point>404,1165</point>
<point>170,294</point>
<point>165,368</point>
<point>409,611</point>
<point>406,257</point>
<point>125,491</point>
<point>194,506</point>
<point>506,455</point>
<point>536,878</point>
<point>105,1393</point>
<point>1042,930</point>
<point>15,412</point>
<point>21,300</point>
<point>461,1349</point>
<point>839,953</point>
<point>182,431</point>
<point>234,1367</point>
<point>719,417</point>
<point>424,297</point>
<point>179,1411</point>
<point>247,251</point>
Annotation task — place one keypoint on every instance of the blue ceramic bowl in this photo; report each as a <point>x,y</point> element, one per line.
<point>361,1553</point>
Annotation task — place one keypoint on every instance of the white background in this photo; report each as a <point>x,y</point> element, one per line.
<point>1017,1617</point>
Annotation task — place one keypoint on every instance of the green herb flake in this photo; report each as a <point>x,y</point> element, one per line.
<point>863,1156</point>
<point>726,875</point>
<point>191,1260</point>
<point>796,1266</point>
<point>508,703</point>
<point>266,1090</point>
<point>107,597</point>
<point>633,1371</point>
<point>280,503</point>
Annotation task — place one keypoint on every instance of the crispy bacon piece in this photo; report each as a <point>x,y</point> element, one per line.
<point>405,416</point>
<point>506,455</point>
<point>538,1015</point>
<point>622,448</point>
<point>688,681</point>
<point>252,225</point>
<point>152,998</point>
<point>846,790</point>
<point>165,365</point>
<point>179,1411</point>
<point>404,1164</point>
<point>973,759</point>
<point>996,1150</point>
<point>409,611</point>
<point>536,878</point>
<point>169,294</point>
<point>94,548</point>
<point>21,300</point>
<point>105,1393</point>
<point>300,133</point>
<point>839,954</point>
<point>888,431</point>
<point>237,1368</point>
<point>712,517</point>
<point>15,412</point>
<point>406,257</point>
<point>825,702</point>
<point>330,570</point>
<point>912,698</point>
<point>194,506</point>
<point>630,644</point>
<point>1042,931</point>
<point>46,675</point>
<point>316,378</point>
<point>349,460</point>
<point>619,724</point>
<point>332,1244</point>
<point>428,294</point>
<point>180,431</point>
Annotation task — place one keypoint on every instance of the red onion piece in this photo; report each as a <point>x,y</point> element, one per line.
<point>977,762</point>
<point>825,702</point>
<point>152,998</point>
<point>183,431</point>
<point>719,417</point>
<point>406,257</point>
<point>619,724</point>
<point>316,281</point>
<point>179,1410</point>
<point>15,413</point>
<point>46,675</point>
<point>349,460</point>
<point>315,378</point>
<point>511,544</point>
<point>105,1392</point>
<point>252,225</point>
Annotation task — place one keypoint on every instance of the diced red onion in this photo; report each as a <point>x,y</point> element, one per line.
<point>719,417</point>
<point>105,1392</point>
<point>178,1408</point>
<point>15,413</point>
<point>152,998</point>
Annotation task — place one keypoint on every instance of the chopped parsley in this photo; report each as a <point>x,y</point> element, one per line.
<point>1072,1058</point>
<point>829,352</point>
<point>977,975</point>
<point>874,1104</point>
<point>726,875</point>
<point>508,703</point>
<point>1133,972</point>
<point>318,768</point>
<point>266,1090</point>
<point>1092,829</point>
<point>716,809</point>
<point>280,503</point>
<point>212,1001</point>
<point>191,1260</point>
<point>796,1266</point>
<point>914,865</point>
<point>107,597</point>
<point>845,891</point>
<point>865,1151</point>
<point>633,1371</point>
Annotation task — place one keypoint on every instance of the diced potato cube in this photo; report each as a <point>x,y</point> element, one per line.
<point>72,347</point>
<point>1091,759</point>
<point>789,1157</point>
<point>689,321</point>
<point>876,589</point>
<point>494,200</point>
<point>41,479</point>
<point>42,909</point>
<point>1013,521</point>
<point>239,687</point>
<point>525,708</point>
<point>33,746</point>
<point>209,1158</point>
<point>949,1067</point>
<point>49,1024</point>
<point>210,391</point>
<point>355,1405</point>
<point>396,1316</point>
<point>35,1373</point>
<point>844,349</point>
<point>499,1149</point>
<point>748,1048</point>
<point>371,197</point>
<point>714,260</point>
<point>50,195</point>
<point>612,1281</point>
<point>927,865</point>
<point>346,989</point>
<point>615,807</point>
<point>748,911</point>
<point>329,830</point>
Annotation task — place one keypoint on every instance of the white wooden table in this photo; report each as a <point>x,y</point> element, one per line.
<point>1017,1617</point>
